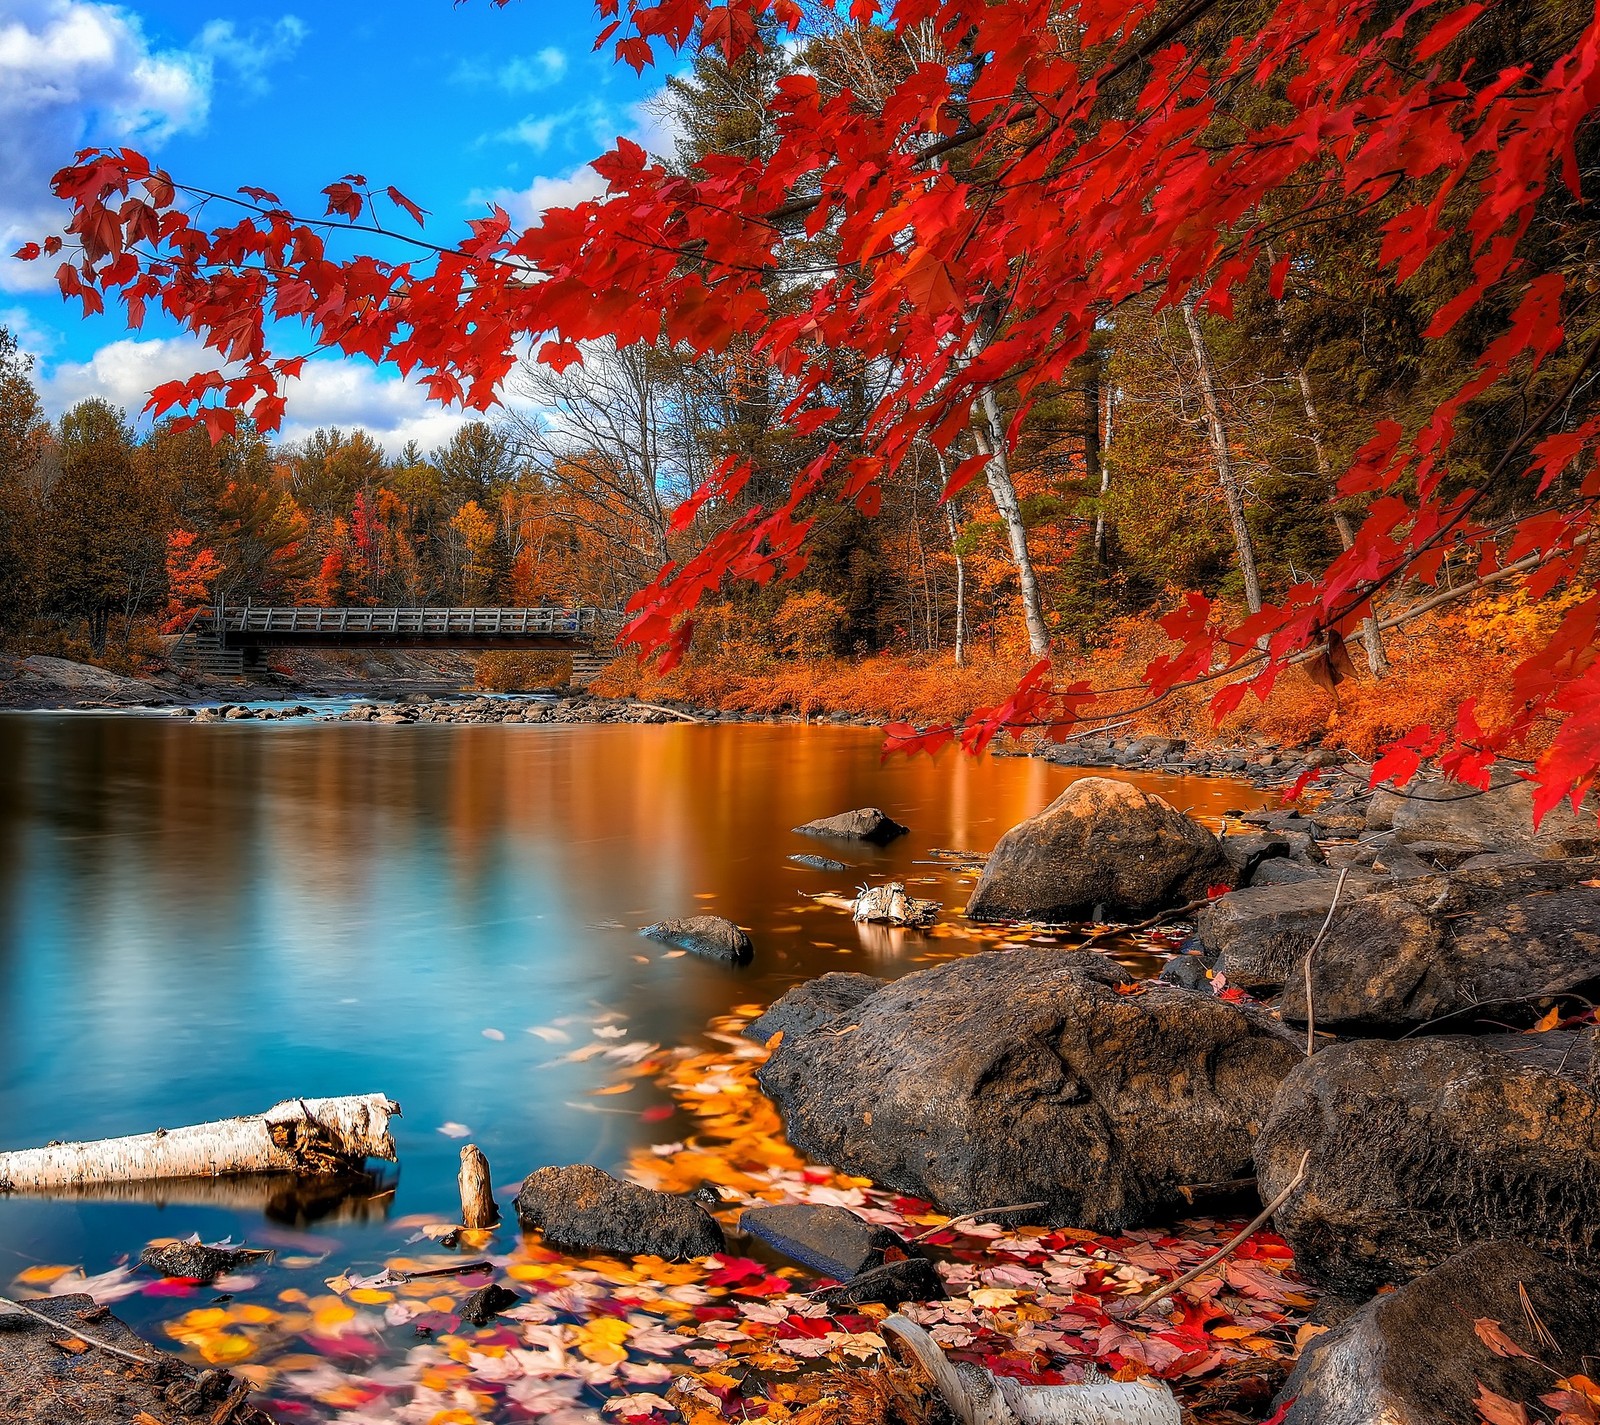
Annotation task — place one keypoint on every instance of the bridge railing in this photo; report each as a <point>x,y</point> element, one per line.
<point>413,622</point>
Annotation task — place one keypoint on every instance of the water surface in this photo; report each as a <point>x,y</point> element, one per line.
<point>198,921</point>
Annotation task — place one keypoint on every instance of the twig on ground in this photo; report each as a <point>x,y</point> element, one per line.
<point>79,1334</point>
<point>975,1216</point>
<point>1311,1014</point>
<point>1176,913</point>
<point>1162,1293</point>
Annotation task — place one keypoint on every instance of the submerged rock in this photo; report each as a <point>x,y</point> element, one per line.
<point>583,1208</point>
<point>194,1261</point>
<point>814,1004</point>
<point>819,863</point>
<point>486,1303</point>
<point>708,935</point>
<point>864,824</point>
<point>1101,843</point>
<point>1421,1147</point>
<point>1034,1075</point>
<point>1413,1356</point>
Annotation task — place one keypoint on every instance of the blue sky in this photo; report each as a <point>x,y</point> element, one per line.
<point>454,104</point>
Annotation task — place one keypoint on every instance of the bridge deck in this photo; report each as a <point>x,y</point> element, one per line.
<point>248,627</point>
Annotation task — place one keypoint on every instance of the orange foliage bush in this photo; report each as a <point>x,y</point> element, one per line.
<point>1436,663</point>
<point>518,672</point>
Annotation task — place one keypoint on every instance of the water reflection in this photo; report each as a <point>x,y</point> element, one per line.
<point>201,921</point>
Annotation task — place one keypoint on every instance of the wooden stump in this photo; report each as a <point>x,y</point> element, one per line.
<point>478,1207</point>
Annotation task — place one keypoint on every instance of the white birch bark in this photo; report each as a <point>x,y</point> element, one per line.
<point>310,1136</point>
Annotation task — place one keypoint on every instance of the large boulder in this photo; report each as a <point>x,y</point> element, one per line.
<point>1100,844</point>
<point>1414,1357</point>
<point>863,824</point>
<point>1421,1147</point>
<point>584,1209</point>
<point>1413,951</point>
<point>1500,819</point>
<point>813,1004</point>
<point>709,936</point>
<point>1035,1075</point>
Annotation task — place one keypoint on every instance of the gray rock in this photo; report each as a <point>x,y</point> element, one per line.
<point>1279,872</point>
<point>1419,950</point>
<point>1420,1148</point>
<point>1027,1076</point>
<point>813,1004</point>
<point>832,1241</point>
<point>864,824</point>
<point>1245,851</point>
<point>1188,972</point>
<point>1413,1355</point>
<point>819,863</point>
<point>1500,819</point>
<point>585,1209</point>
<point>1100,843</point>
<point>486,1303</point>
<point>707,935</point>
<point>194,1261</point>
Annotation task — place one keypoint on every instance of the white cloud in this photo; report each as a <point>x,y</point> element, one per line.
<point>649,123</point>
<point>79,72</point>
<point>250,53</point>
<point>330,393</point>
<point>522,74</point>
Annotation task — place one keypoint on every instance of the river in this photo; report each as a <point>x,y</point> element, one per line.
<point>201,921</point>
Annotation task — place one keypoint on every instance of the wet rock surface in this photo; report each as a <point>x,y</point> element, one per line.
<point>709,936</point>
<point>831,1241</point>
<point>814,1004</point>
<point>195,1261</point>
<point>1102,844</point>
<point>1413,1357</point>
<point>1452,817</point>
<point>870,824</point>
<point>1034,1075</point>
<point>585,1209</point>
<point>46,1380</point>
<point>1420,1148</point>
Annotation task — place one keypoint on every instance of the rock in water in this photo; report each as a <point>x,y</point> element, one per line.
<point>815,1003</point>
<point>1100,843</point>
<point>583,1208</point>
<point>819,863</point>
<point>194,1261</point>
<point>1027,1076</point>
<point>1412,1357</point>
<point>1421,1147</point>
<point>486,1303</point>
<point>864,824</point>
<point>708,935</point>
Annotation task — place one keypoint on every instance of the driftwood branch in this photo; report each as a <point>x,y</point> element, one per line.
<point>478,1207</point>
<point>1232,1245</point>
<point>671,712</point>
<point>978,1397</point>
<point>1176,913</point>
<point>310,1137</point>
<point>1311,1011</point>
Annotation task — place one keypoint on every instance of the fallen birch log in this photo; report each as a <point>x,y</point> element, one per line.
<point>890,905</point>
<point>978,1397</point>
<point>307,1136</point>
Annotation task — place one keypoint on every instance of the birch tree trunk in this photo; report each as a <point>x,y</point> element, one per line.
<point>1231,492</point>
<point>961,584</point>
<point>1370,634</point>
<point>309,1136</point>
<point>990,435</point>
<point>1103,456</point>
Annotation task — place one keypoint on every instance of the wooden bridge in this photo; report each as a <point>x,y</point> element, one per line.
<point>233,640</point>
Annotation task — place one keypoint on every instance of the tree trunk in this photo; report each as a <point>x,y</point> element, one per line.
<point>308,1136</point>
<point>1102,450</point>
<point>1231,493</point>
<point>961,584</point>
<point>990,436</point>
<point>1370,635</point>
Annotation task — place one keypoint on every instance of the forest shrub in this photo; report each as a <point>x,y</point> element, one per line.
<point>503,671</point>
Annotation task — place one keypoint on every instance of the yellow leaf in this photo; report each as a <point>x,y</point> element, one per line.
<point>42,1276</point>
<point>992,1298</point>
<point>1549,1022</point>
<point>370,1296</point>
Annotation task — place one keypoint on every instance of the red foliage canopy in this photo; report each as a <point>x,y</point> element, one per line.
<point>1055,159</point>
